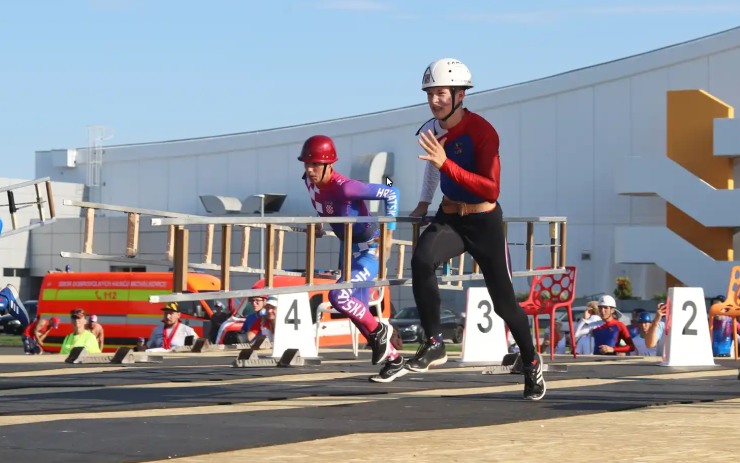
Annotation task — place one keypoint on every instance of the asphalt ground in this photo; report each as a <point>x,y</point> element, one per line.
<point>200,408</point>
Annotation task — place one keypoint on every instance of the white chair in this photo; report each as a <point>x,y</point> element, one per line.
<point>326,307</point>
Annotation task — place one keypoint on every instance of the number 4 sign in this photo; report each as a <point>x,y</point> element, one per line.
<point>687,340</point>
<point>294,328</point>
<point>485,337</point>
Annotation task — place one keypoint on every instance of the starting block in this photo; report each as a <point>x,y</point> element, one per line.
<point>512,364</point>
<point>193,345</point>
<point>80,355</point>
<point>123,355</point>
<point>290,358</point>
<point>259,342</point>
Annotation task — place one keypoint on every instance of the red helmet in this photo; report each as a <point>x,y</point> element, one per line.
<point>319,148</point>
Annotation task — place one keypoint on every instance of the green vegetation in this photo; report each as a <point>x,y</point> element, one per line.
<point>10,341</point>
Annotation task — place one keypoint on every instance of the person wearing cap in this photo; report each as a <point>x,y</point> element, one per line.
<point>634,326</point>
<point>80,335</point>
<point>608,335</point>
<point>461,153</point>
<point>34,334</point>
<point>334,195</point>
<point>649,338</point>
<point>265,324</point>
<point>97,329</point>
<point>171,333</point>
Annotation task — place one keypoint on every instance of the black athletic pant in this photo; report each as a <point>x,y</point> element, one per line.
<point>481,235</point>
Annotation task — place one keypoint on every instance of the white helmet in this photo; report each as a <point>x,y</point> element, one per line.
<point>447,72</point>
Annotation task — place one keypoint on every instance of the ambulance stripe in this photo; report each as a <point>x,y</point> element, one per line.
<point>101,294</point>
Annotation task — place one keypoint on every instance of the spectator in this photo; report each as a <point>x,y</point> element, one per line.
<point>140,345</point>
<point>649,338</point>
<point>220,315</point>
<point>97,329</point>
<point>559,340</point>
<point>265,325</point>
<point>635,321</point>
<point>34,335</point>
<point>258,310</point>
<point>722,331</point>
<point>171,333</point>
<point>590,320</point>
<point>80,336</point>
<point>608,335</point>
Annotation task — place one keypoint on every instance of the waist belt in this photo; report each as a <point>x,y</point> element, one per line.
<point>454,207</point>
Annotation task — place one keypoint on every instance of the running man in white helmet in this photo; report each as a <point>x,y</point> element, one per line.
<point>462,153</point>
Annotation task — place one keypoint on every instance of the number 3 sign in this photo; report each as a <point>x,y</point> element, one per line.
<point>485,337</point>
<point>687,340</point>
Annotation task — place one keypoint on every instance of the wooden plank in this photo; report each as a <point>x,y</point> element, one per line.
<point>87,244</point>
<point>383,241</point>
<point>39,201</point>
<point>280,242</point>
<point>244,256</point>
<point>476,267</point>
<point>208,246</point>
<point>347,251</point>
<point>50,199</point>
<point>563,243</point>
<point>180,267</point>
<point>401,257</point>
<point>132,235</point>
<point>270,252</point>
<point>554,261</point>
<point>530,245</point>
<point>310,252</point>
<point>12,208</point>
<point>461,268</point>
<point>226,231</point>
<point>170,243</point>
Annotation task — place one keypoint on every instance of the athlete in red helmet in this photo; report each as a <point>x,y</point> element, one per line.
<point>334,195</point>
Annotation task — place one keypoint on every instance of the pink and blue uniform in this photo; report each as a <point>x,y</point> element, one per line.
<point>345,197</point>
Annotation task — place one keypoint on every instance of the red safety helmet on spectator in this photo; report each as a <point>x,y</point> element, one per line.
<point>320,149</point>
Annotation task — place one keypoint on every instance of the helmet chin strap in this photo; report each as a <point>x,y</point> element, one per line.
<point>453,91</point>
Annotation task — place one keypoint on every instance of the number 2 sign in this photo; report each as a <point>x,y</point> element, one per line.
<point>687,340</point>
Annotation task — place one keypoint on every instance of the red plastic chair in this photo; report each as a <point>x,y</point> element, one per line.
<point>547,294</point>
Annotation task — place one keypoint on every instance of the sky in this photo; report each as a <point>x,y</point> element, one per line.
<point>153,70</point>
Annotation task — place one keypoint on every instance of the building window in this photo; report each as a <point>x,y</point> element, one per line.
<point>127,268</point>
<point>16,272</point>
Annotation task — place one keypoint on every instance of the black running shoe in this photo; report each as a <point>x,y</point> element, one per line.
<point>430,354</point>
<point>534,382</point>
<point>391,370</point>
<point>380,342</point>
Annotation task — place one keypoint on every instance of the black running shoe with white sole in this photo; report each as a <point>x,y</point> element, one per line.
<point>380,342</point>
<point>534,381</point>
<point>430,354</point>
<point>391,370</point>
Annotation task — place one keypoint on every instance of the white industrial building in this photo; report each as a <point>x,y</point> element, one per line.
<point>589,145</point>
